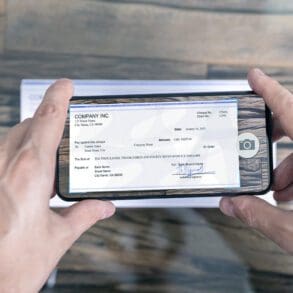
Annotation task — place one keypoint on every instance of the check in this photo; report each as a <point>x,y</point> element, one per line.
<point>153,146</point>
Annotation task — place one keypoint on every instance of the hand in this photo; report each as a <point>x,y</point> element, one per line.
<point>273,222</point>
<point>33,237</point>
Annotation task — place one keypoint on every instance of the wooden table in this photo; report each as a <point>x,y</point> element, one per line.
<point>154,250</point>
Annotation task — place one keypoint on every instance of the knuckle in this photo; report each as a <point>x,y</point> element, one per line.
<point>247,213</point>
<point>48,109</point>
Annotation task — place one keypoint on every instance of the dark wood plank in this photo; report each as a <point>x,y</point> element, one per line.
<point>254,281</point>
<point>2,24</point>
<point>223,71</point>
<point>125,29</point>
<point>2,30</point>
<point>235,6</point>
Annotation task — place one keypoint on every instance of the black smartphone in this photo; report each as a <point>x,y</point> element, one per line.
<point>165,145</point>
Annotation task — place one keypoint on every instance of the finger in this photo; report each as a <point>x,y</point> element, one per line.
<point>278,131</point>
<point>81,216</point>
<point>49,119</point>
<point>278,98</point>
<point>284,195</point>
<point>274,223</point>
<point>283,174</point>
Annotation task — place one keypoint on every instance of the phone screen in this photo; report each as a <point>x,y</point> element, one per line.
<point>165,146</point>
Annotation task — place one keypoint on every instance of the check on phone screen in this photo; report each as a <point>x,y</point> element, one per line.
<point>153,146</point>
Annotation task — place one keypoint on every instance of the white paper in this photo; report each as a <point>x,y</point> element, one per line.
<point>153,146</point>
<point>32,92</point>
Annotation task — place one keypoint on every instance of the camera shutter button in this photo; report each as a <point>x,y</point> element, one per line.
<point>248,145</point>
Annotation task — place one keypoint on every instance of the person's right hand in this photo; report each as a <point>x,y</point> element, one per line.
<point>273,222</point>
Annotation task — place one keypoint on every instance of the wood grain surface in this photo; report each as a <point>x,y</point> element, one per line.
<point>152,29</point>
<point>157,250</point>
<point>174,250</point>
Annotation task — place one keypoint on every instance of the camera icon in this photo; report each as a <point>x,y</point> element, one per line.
<point>247,145</point>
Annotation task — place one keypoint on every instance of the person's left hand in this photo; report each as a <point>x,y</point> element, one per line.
<point>33,237</point>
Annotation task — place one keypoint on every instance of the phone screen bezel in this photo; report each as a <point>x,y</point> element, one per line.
<point>64,192</point>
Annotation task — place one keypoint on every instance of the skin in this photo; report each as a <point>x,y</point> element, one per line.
<point>33,237</point>
<point>271,221</point>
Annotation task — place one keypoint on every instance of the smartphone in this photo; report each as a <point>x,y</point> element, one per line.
<point>165,145</point>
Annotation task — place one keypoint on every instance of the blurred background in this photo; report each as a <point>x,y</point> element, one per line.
<point>149,250</point>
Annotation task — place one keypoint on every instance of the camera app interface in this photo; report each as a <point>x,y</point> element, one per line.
<point>155,146</point>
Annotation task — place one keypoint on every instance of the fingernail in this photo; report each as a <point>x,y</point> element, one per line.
<point>258,72</point>
<point>227,207</point>
<point>109,210</point>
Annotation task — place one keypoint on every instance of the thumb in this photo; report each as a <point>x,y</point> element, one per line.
<point>81,216</point>
<point>271,221</point>
<point>277,97</point>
